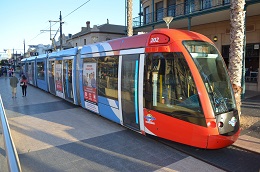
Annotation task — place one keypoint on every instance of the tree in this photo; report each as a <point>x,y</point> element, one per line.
<point>237,19</point>
<point>4,62</point>
<point>129,18</point>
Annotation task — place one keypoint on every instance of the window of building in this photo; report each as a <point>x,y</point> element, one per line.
<point>206,4</point>
<point>226,1</point>
<point>171,5</point>
<point>159,11</point>
<point>225,54</point>
<point>189,6</point>
<point>251,60</point>
<point>85,42</point>
<point>146,15</point>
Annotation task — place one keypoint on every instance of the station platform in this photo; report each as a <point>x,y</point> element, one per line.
<point>51,134</point>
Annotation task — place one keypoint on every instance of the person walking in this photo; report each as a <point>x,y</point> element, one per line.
<point>13,83</point>
<point>5,72</point>
<point>23,84</point>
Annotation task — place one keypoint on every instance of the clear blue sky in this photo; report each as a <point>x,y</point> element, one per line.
<point>24,19</point>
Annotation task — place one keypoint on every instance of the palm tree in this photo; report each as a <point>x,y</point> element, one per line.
<point>129,18</point>
<point>237,19</point>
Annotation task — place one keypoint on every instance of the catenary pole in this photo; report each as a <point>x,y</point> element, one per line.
<point>60,31</point>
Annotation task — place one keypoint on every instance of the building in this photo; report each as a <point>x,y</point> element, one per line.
<point>65,42</point>
<point>89,35</point>
<point>35,50</point>
<point>211,18</point>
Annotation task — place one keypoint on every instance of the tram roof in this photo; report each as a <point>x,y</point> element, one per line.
<point>31,58</point>
<point>41,56</point>
<point>64,53</point>
<point>139,41</point>
<point>23,60</point>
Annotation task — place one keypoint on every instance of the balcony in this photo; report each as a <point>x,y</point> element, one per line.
<point>201,12</point>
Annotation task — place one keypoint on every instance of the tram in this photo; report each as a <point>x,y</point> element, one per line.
<point>169,83</point>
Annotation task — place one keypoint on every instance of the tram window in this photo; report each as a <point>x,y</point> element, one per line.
<point>29,70</point>
<point>51,76</point>
<point>214,74</point>
<point>169,86</point>
<point>51,68</point>
<point>107,76</point>
<point>40,70</point>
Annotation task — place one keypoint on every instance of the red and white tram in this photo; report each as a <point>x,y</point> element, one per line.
<point>169,83</point>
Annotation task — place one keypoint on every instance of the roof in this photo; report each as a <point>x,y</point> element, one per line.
<point>105,28</point>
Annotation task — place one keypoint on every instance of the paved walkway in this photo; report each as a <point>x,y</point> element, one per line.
<point>51,134</point>
<point>250,137</point>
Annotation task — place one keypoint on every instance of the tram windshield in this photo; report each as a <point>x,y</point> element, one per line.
<point>214,74</point>
<point>170,88</point>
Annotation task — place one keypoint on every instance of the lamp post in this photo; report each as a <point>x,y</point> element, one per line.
<point>168,20</point>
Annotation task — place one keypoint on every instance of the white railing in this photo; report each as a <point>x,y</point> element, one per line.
<point>11,153</point>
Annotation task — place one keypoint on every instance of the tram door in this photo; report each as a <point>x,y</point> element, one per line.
<point>51,77</point>
<point>33,76</point>
<point>129,91</point>
<point>67,79</point>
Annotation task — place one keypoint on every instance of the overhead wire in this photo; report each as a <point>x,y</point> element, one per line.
<point>76,9</point>
<point>63,18</point>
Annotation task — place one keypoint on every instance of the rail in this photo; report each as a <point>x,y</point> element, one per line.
<point>11,154</point>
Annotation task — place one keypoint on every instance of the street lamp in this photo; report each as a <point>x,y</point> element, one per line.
<point>168,20</point>
<point>215,39</point>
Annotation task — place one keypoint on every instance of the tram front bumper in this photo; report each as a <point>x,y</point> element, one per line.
<point>221,141</point>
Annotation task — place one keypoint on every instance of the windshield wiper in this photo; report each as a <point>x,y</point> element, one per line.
<point>220,103</point>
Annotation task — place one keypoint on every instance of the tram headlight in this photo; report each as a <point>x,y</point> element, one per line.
<point>211,124</point>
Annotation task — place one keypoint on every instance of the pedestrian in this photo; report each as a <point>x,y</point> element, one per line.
<point>23,84</point>
<point>12,71</point>
<point>9,72</point>
<point>5,72</point>
<point>13,83</point>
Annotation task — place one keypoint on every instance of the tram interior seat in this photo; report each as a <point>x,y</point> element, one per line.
<point>113,93</point>
<point>110,92</point>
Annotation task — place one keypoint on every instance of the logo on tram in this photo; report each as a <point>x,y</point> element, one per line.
<point>150,119</point>
<point>233,121</point>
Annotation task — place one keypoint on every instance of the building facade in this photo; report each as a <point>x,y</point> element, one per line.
<point>210,18</point>
<point>89,35</point>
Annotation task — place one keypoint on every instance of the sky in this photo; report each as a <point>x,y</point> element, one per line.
<point>25,20</point>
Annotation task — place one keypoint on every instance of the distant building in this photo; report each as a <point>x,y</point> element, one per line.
<point>35,50</point>
<point>100,33</point>
<point>65,43</point>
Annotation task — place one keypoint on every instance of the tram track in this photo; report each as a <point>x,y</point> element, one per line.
<point>232,158</point>
<point>248,150</point>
